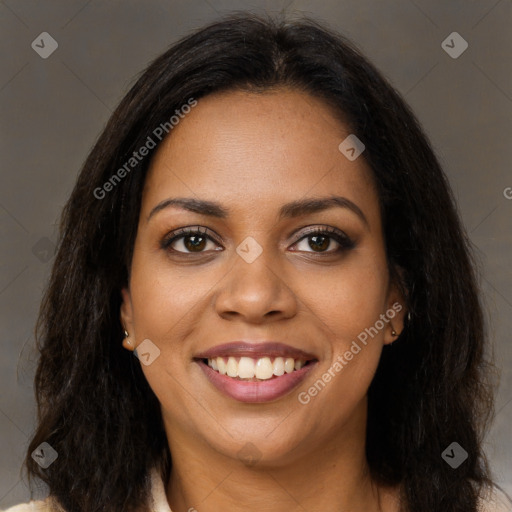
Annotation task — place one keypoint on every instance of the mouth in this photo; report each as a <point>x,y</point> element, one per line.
<point>255,373</point>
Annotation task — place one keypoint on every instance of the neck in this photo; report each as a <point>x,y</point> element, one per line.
<point>333,475</point>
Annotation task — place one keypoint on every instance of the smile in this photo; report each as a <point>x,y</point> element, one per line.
<point>255,372</point>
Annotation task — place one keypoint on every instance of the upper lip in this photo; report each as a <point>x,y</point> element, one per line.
<point>255,350</point>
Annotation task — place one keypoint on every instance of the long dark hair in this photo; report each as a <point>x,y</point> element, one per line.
<point>431,388</point>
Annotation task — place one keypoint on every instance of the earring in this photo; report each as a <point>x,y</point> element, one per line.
<point>128,342</point>
<point>393,332</point>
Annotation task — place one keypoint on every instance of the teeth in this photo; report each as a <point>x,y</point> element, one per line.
<point>278,366</point>
<point>264,369</point>
<point>221,364</point>
<point>249,368</point>
<point>298,364</point>
<point>232,367</point>
<point>245,368</point>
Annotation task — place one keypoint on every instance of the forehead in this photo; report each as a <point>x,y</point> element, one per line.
<point>269,147</point>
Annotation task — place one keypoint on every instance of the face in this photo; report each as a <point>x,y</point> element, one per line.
<point>265,287</point>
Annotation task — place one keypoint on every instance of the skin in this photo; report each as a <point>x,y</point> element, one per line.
<point>252,153</point>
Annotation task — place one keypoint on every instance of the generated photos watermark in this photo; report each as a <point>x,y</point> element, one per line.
<point>137,156</point>
<point>147,352</point>
<point>304,397</point>
<point>44,455</point>
<point>454,455</point>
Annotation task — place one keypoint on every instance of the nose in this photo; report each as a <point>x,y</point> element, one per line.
<point>256,292</point>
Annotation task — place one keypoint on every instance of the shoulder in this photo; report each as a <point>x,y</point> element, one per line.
<point>495,500</point>
<point>46,505</point>
<point>40,506</point>
<point>158,497</point>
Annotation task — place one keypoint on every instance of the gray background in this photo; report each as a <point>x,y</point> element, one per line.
<point>53,109</point>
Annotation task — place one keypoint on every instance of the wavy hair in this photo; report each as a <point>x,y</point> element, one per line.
<point>432,385</point>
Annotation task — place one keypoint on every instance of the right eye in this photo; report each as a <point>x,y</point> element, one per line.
<point>189,241</point>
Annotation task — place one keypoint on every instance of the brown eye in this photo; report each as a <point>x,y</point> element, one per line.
<point>187,241</point>
<point>322,240</point>
<point>319,242</point>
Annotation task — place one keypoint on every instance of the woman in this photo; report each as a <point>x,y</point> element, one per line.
<point>264,225</point>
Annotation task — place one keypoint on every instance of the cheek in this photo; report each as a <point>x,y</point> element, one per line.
<point>345,305</point>
<point>349,299</point>
<point>165,299</point>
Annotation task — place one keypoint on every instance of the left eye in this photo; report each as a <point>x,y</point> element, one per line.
<point>320,241</point>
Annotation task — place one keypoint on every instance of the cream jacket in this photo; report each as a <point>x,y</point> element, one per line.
<point>158,499</point>
<point>495,502</point>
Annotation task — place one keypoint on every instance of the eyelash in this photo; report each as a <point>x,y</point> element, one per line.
<point>345,243</point>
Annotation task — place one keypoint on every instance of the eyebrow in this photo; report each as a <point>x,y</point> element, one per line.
<point>287,211</point>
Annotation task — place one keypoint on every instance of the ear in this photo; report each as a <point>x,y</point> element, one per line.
<point>396,309</point>
<point>127,319</point>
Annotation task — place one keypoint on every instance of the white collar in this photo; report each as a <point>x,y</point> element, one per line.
<point>158,496</point>
<point>495,501</point>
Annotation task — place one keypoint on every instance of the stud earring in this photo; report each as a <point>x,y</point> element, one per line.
<point>128,342</point>
<point>393,332</point>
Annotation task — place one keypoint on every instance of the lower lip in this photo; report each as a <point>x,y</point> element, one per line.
<point>256,392</point>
